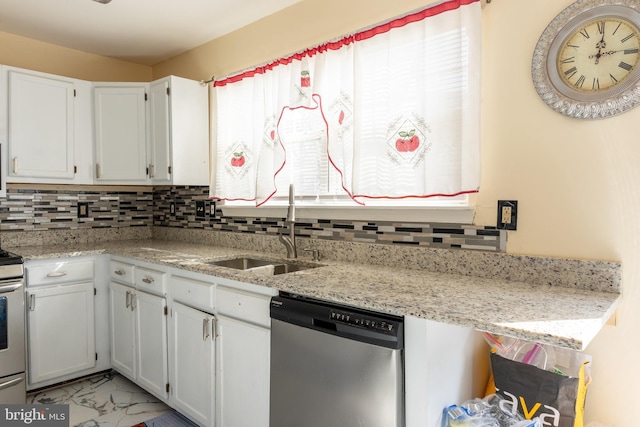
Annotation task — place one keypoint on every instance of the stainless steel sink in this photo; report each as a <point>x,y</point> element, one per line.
<point>249,264</point>
<point>242,263</point>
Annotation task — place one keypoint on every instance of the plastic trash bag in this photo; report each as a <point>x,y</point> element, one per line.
<point>484,413</point>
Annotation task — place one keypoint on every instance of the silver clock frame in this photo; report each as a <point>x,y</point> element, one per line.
<point>546,78</point>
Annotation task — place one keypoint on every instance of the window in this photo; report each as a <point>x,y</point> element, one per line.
<point>388,116</point>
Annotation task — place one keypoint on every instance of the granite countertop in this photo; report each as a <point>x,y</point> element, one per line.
<point>555,315</point>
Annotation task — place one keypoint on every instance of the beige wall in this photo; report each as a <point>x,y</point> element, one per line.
<point>577,182</point>
<point>302,25</point>
<point>40,56</point>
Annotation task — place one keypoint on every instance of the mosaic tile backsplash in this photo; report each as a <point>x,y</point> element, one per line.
<point>57,208</point>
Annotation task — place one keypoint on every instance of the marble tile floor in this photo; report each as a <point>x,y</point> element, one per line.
<point>105,400</point>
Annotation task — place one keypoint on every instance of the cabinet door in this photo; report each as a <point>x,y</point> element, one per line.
<point>152,372</point>
<point>193,363</point>
<point>243,374</point>
<point>120,126</point>
<point>61,331</point>
<point>179,131</point>
<point>159,132</point>
<point>41,126</point>
<point>123,340</point>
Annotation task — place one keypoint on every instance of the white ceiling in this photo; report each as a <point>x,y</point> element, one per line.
<point>140,31</point>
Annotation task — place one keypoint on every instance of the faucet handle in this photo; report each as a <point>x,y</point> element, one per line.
<point>315,254</point>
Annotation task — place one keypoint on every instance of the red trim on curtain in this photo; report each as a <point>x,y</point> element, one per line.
<point>427,196</point>
<point>317,99</point>
<point>362,35</point>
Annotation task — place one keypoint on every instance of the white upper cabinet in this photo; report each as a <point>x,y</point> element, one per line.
<point>48,128</point>
<point>120,133</point>
<point>179,132</point>
<point>60,130</point>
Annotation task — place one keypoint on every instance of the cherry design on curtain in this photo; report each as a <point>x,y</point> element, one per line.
<point>239,160</point>
<point>407,140</point>
<point>270,137</point>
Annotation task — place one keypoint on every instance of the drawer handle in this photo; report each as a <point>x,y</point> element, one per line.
<point>119,272</point>
<point>57,274</point>
<point>147,280</point>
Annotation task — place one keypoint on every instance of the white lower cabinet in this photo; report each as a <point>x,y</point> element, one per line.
<point>139,337</point>
<point>151,343</point>
<point>243,375</point>
<point>139,328</point>
<point>244,338</point>
<point>66,319</point>
<point>218,346</point>
<point>61,331</point>
<point>193,363</point>
<point>123,337</point>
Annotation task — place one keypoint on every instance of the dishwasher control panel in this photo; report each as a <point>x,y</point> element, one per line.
<point>353,323</point>
<point>357,319</point>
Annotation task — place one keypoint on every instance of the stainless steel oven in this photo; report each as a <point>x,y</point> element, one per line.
<point>12,341</point>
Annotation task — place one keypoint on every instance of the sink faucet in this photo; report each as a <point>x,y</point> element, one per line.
<point>290,241</point>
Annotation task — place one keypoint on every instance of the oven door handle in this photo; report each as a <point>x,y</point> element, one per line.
<point>11,383</point>
<point>10,288</point>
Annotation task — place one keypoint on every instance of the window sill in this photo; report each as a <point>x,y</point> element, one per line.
<point>438,214</point>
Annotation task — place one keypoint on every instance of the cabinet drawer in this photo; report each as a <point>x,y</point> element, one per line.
<point>121,271</point>
<point>146,278</point>
<point>195,293</point>
<point>242,305</point>
<point>59,272</point>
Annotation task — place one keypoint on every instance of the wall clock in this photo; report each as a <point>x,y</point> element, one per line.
<point>586,63</point>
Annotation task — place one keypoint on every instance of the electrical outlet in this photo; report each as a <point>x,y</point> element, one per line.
<point>172,208</point>
<point>507,214</point>
<point>200,211</point>
<point>212,209</point>
<point>83,209</point>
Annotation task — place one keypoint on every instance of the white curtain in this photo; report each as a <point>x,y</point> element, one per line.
<point>389,112</point>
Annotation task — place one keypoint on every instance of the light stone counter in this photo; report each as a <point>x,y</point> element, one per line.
<point>537,309</point>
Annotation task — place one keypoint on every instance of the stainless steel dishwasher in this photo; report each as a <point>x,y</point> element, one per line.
<point>334,366</point>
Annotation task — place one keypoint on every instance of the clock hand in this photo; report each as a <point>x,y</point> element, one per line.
<point>600,54</point>
<point>600,45</point>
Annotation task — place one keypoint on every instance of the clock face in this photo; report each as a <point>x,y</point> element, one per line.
<point>586,63</point>
<point>599,54</point>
